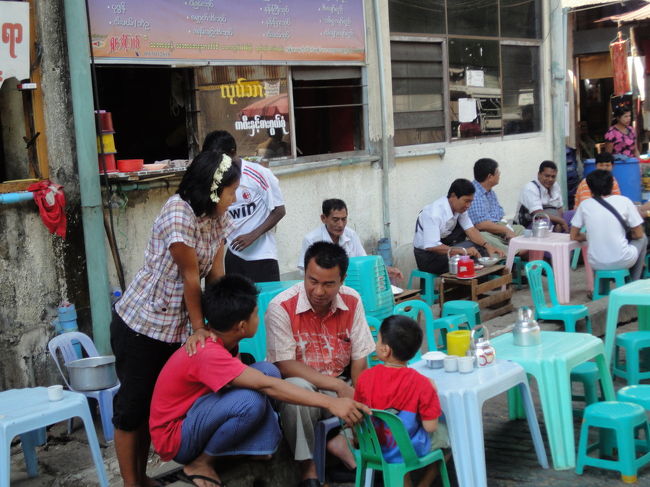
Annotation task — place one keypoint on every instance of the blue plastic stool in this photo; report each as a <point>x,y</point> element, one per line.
<point>632,342</point>
<point>587,374</point>
<point>646,271</point>
<point>638,394</point>
<point>323,427</point>
<point>625,419</point>
<point>427,285</point>
<point>462,307</point>
<point>602,278</point>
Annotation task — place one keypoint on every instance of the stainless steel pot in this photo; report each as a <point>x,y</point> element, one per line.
<point>526,332</point>
<point>93,373</point>
<point>541,225</point>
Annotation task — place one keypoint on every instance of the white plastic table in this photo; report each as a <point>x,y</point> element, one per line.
<point>559,245</point>
<point>25,410</point>
<point>462,397</point>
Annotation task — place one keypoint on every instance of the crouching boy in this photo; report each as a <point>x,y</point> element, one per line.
<point>396,388</point>
<point>210,404</point>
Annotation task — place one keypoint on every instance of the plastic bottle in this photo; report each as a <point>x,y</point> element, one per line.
<point>116,294</point>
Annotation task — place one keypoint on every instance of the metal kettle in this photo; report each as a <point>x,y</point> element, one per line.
<point>480,348</point>
<point>526,332</point>
<point>541,225</point>
<point>453,259</point>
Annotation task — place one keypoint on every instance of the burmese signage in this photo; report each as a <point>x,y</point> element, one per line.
<point>168,31</point>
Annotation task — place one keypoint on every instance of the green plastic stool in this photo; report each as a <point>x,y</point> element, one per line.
<point>625,419</point>
<point>602,278</point>
<point>638,394</point>
<point>462,307</point>
<point>646,271</point>
<point>518,272</point>
<point>632,342</point>
<point>370,456</point>
<point>427,285</point>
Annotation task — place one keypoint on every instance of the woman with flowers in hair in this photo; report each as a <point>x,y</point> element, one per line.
<point>151,320</point>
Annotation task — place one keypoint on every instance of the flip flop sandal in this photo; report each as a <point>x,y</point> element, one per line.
<point>189,479</point>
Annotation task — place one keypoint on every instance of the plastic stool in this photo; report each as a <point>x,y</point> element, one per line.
<point>646,271</point>
<point>638,394</point>
<point>427,285</point>
<point>619,276</point>
<point>461,307</point>
<point>320,444</point>
<point>633,342</point>
<point>625,419</point>
<point>586,373</point>
<point>576,258</point>
<point>518,272</point>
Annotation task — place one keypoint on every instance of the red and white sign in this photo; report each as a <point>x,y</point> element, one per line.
<point>14,40</point>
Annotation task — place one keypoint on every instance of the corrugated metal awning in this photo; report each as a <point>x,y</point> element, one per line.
<point>642,13</point>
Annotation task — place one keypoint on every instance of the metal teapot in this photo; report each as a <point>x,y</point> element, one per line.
<point>453,259</point>
<point>480,348</point>
<point>526,332</point>
<point>541,225</point>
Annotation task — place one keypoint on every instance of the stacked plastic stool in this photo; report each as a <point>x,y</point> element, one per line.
<point>629,369</point>
<point>368,276</point>
<point>638,394</point>
<point>625,420</point>
<point>602,279</point>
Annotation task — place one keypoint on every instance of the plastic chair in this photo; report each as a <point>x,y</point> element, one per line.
<point>443,326</point>
<point>104,397</point>
<point>625,419</point>
<point>427,285</point>
<point>576,258</point>
<point>24,412</point>
<point>370,455</point>
<point>602,278</point>
<point>567,313</point>
<point>632,342</point>
<point>469,309</point>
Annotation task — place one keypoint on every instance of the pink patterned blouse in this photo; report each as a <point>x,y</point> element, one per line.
<point>622,143</point>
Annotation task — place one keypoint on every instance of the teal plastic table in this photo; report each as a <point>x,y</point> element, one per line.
<point>551,363</point>
<point>636,293</point>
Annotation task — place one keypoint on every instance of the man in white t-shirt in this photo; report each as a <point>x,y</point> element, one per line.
<point>608,246</point>
<point>335,230</point>
<point>252,250</point>
<point>542,195</point>
<point>444,224</point>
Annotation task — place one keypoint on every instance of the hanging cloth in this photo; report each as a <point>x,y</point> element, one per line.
<point>618,52</point>
<point>50,200</point>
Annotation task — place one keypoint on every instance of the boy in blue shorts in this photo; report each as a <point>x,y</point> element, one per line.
<point>395,387</point>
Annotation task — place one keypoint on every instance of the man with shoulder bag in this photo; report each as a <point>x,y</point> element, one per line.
<point>614,228</point>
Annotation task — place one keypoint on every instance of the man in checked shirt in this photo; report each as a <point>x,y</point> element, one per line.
<point>318,337</point>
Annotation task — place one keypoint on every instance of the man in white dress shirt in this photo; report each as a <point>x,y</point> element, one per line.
<point>335,230</point>
<point>444,224</point>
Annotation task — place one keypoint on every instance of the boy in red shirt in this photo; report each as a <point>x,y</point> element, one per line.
<point>394,387</point>
<point>210,404</point>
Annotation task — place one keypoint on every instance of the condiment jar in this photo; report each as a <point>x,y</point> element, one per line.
<point>481,348</point>
<point>466,266</point>
<point>453,259</point>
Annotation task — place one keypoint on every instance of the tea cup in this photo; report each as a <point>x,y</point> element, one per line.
<point>465,364</point>
<point>451,363</point>
<point>55,393</point>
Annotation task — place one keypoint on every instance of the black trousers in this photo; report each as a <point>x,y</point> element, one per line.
<point>264,270</point>
<point>439,263</point>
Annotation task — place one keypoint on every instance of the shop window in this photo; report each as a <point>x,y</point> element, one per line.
<point>521,88</point>
<point>490,51</point>
<point>148,106</point>
<point>322,112</point>
<point>14,163</point>
<point>417,71</point>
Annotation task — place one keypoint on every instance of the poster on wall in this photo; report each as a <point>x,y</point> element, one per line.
<point>177,31</point>
<point>14,41</point>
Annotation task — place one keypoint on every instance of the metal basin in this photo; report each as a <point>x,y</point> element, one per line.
<point>93,373</point>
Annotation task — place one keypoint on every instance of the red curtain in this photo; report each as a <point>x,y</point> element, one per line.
<point>618,52</point>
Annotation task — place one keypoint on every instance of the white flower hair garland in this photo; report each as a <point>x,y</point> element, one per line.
<point>225,164</point>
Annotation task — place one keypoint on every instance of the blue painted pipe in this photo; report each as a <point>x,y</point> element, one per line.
<point>10,198</point>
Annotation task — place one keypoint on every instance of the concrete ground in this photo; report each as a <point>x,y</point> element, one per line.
<point>65,459</point>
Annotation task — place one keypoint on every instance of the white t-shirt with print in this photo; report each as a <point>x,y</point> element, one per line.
<point>608,247</point>
<point>258,194</point>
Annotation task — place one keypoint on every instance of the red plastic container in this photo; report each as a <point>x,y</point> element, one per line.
<point>105,122</point>
<point>130,165</point>
<point>109,160</point>
<point>465,267</point>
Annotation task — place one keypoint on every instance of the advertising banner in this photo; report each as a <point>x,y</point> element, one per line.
<point>14,40</point>
<point>169,31</point>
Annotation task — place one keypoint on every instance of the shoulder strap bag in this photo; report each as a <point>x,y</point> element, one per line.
<point>626,227</point>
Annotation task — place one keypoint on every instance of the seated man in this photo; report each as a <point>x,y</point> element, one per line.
<point>486,213</point>
<point>604,161</point>
<point>210,404</point>
<point>335,230</point>
<point>609,248</point>
<point>444,224</point>
<point>317,335</point>
<point>542,195</point>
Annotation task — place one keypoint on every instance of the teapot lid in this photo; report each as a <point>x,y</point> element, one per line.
<point>525,317</point>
